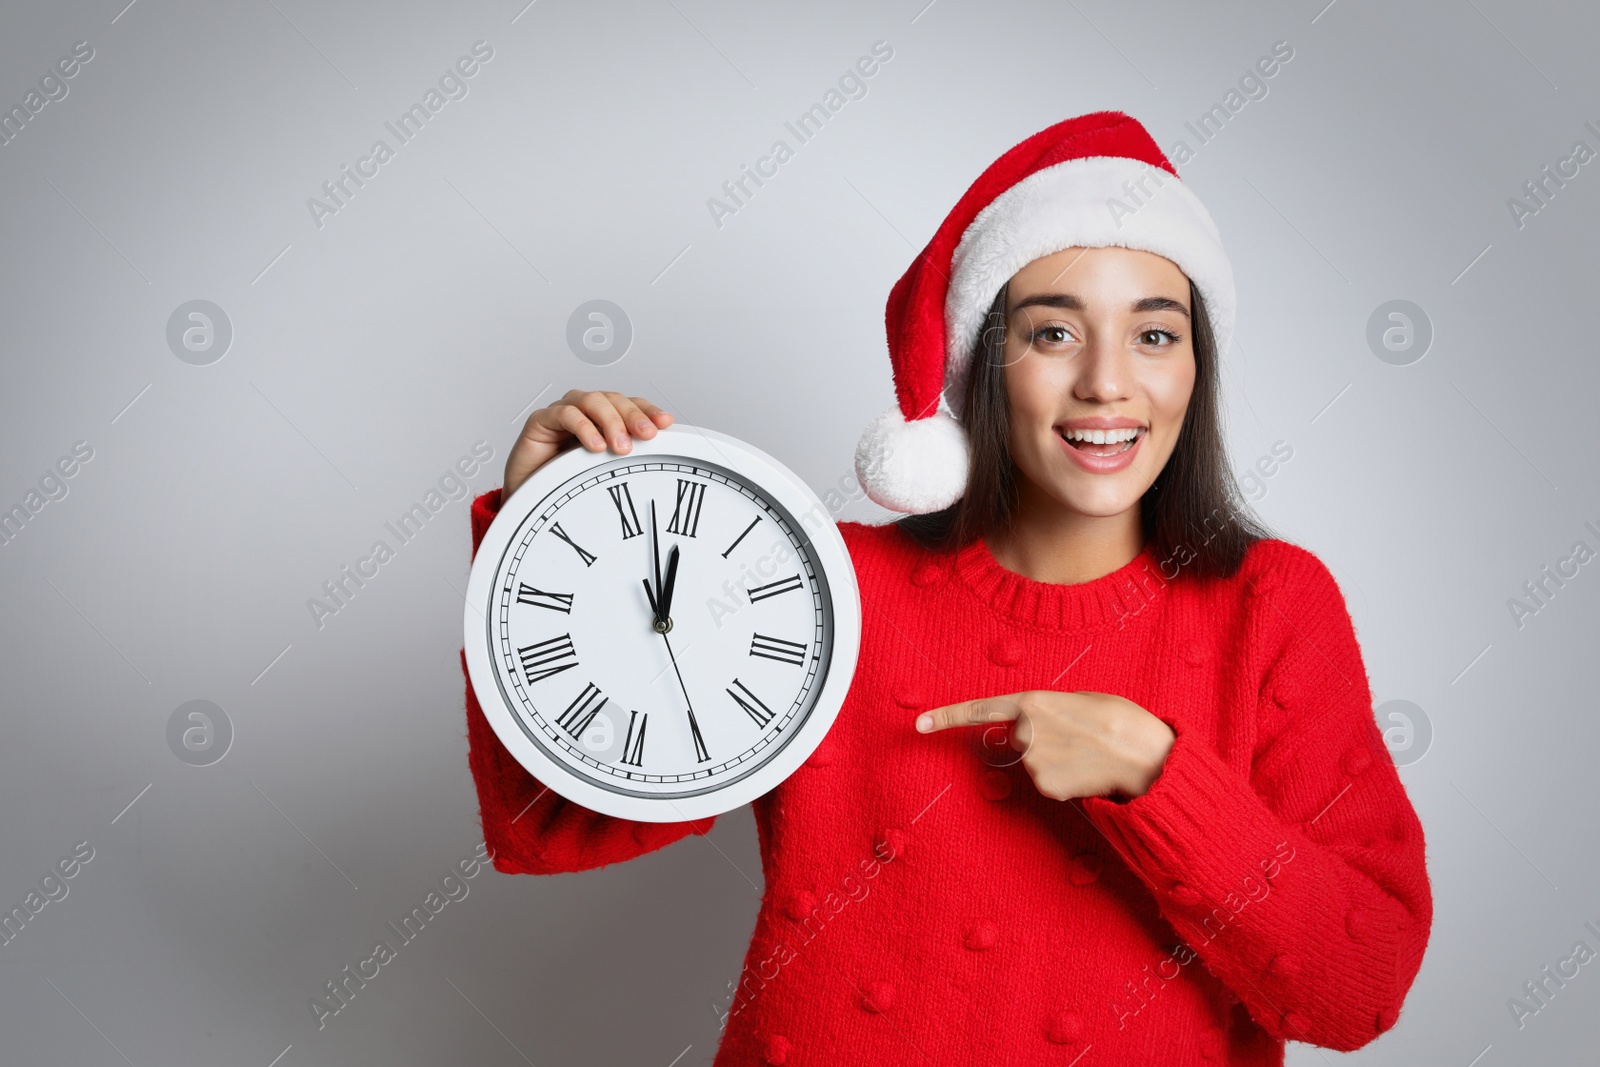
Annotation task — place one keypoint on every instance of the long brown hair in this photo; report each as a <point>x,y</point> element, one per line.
<point>1193,513</point>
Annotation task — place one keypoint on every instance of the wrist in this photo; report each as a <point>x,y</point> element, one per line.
<point>1154,744</point>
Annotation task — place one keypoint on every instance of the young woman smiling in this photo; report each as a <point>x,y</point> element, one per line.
<point>1103,726</point>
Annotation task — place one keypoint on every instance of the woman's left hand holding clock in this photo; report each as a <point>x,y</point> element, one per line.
<point>593,418</point>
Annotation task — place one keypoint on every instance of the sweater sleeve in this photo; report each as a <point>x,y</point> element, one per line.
<point>1302,885</point>
<point>530,828</point>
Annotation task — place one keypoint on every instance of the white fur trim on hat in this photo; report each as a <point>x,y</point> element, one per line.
<point>1092,202</point>
<point>914,467</point>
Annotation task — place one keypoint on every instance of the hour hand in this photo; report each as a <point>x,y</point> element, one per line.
<point>665,604</point>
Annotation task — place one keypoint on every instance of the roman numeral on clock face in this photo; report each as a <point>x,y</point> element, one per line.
<point>736,540</point>
<point>539,598</point>
<point>782,585</point>
<point>581,712</point>
<point>633,744</point>
<point>545,658</point>
<point>700,753</point>
<point>623,499</point>
<point>751,704</point>
<point>586,556</point>
<point>686,512</point>
<point>777,648</point>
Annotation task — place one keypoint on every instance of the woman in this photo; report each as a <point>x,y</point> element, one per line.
<point>1107,787</point>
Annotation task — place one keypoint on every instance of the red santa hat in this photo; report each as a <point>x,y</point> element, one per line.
<point>1090,182</point>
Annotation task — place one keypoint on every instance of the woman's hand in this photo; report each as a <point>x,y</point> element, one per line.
<point>1072,744</point>
<point>589,417</point>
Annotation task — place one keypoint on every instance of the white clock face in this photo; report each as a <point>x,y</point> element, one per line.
<point>580,659</point>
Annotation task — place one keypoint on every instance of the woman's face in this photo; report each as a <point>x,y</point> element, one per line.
<point>1097,339</point>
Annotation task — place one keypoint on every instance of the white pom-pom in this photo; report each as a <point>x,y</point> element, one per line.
<point>913,467</point>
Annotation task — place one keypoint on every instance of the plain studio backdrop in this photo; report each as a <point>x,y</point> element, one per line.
<point>351,357</point>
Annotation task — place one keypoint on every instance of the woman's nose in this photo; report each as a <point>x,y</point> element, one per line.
<point>1102,371</point>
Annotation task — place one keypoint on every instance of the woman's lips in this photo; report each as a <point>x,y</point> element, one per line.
<point>1103,464</point>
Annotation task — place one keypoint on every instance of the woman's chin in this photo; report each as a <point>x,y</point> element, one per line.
<point>1097,495</point>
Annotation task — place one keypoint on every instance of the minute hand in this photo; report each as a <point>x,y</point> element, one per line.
<point>701,755</point>
<point>652,584</point>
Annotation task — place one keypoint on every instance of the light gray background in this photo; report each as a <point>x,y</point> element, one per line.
<point>430,313</point>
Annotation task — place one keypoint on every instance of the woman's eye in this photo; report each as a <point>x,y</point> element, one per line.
<point>1054,335</point>
<point>1154,337</point>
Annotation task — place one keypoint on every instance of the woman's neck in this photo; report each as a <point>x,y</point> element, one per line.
<point>1051,543</point>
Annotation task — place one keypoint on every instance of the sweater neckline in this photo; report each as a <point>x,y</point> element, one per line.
<point>1061,606</point>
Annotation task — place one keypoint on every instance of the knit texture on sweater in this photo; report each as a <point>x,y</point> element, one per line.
<point>926,904</point>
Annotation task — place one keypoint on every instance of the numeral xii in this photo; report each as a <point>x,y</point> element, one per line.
<point>686,512</point>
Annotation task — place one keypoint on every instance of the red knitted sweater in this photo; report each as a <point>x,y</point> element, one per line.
<point>925,903</point>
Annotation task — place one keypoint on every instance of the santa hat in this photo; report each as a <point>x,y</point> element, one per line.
<point>1091,181</point>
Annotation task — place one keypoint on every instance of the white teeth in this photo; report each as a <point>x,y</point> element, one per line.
<point>1101,437</point>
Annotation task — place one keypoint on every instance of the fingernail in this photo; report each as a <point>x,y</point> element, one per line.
<point>924,723</point>
<point>622,442</point>
<point>643,425</point>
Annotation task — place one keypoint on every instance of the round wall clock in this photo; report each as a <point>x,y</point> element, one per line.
<point>666,634</point>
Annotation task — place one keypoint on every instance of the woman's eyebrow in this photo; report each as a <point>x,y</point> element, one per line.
<point>1068,302</point>
<point>1159,303</point>
<point>1065,301</point>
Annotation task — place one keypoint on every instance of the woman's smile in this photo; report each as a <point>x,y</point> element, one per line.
<point>1102,445</point>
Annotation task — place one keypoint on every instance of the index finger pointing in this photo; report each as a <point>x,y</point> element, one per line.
<point>968,713</point>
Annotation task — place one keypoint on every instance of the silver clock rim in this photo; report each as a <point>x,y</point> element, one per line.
<point>780,485</point>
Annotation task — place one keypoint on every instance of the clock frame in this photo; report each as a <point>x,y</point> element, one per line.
<point>546,690</point>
